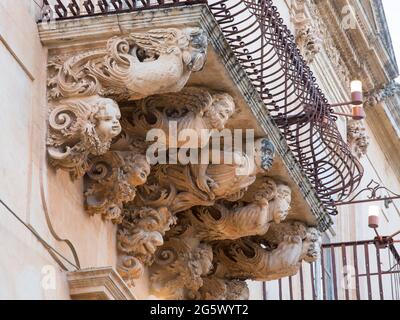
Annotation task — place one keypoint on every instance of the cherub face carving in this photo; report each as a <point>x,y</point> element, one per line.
<point>108,117</point>
<point>220,111</point>
<point>282,203</point>
<point>139,172</point>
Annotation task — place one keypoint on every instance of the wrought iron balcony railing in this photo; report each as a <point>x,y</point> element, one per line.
<point>266,50</point>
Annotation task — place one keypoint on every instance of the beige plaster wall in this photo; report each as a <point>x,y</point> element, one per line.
<point>24,262</point>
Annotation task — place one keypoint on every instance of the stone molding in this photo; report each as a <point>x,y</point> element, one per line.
<point>98,284</point>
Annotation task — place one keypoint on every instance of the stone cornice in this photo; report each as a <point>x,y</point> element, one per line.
<point>65,34</point>
<point>98,284</point>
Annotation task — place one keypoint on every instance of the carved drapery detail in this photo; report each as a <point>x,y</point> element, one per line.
<point>357,138</point>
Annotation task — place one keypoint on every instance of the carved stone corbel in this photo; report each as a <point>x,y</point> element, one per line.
<point>222,289</point>
<point>180,266</point>
<point>193,110</point>
<point>79,128</point>
<point>357,138</point>
<point>276,255</point>
<point>130,67</point>
<point>138,237</point>
<point>112,181</point>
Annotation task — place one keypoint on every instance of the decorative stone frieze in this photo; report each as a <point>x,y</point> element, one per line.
<point>357,138</point>
<point>379,95</point>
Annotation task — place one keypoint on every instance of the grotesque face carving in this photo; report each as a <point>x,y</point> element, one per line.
<point>312,245</point>
<point>281,203</point>
<point>264,154</point>
<point>108,117</point>
<point>195,56</point>
<point>220,111</point>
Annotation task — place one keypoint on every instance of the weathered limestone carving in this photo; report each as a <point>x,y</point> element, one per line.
<point>193,108</point>
<point>79,128</point>
<point>112,182</point>
<point>267,204</point>
<point>131,67</point>
<point>376,96</point>
<point>222,289</point>
<point>179,267</point>
<point>138,237</point>
<point>276,255</point>
<point>357,138</point>
<point>181,187</point>
<point>308,35</point>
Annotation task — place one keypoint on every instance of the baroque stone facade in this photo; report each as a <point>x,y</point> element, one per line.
<point>190,224</point>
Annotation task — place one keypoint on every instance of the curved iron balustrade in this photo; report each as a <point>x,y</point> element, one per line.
<point>267,51</point>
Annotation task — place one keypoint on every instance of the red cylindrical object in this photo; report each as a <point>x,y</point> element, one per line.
<point>358,112</point>
<point>373,222</point>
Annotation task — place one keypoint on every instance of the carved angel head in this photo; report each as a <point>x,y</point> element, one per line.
<point>280,205</point>
<point>219,112</point>
<point>137,169</point>
<point>80,127</point>
<point>195,52</point>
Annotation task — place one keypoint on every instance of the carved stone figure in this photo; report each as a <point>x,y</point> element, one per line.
<point>179,267</point>
<point>79,128</point>
<point>221,289</point>
<point>131,67</point>
<point>264,205</point>
<point>113,179</point>
<point>194,109</point>
<point>183,187</point>
<point>138,237</point>
<point>357,138</point>
<point>276,255</point>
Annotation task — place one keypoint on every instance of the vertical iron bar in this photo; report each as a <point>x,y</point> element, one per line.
<point>334,272</point>
<point>368,271</point>
<point>291,288</point>
<point>357,273</point>
<point>280,289</point>
<point>378,262</point>
<point>301,282</point>
<point>323,273</point>
<point>312,281</point>
<point>344,260</point>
